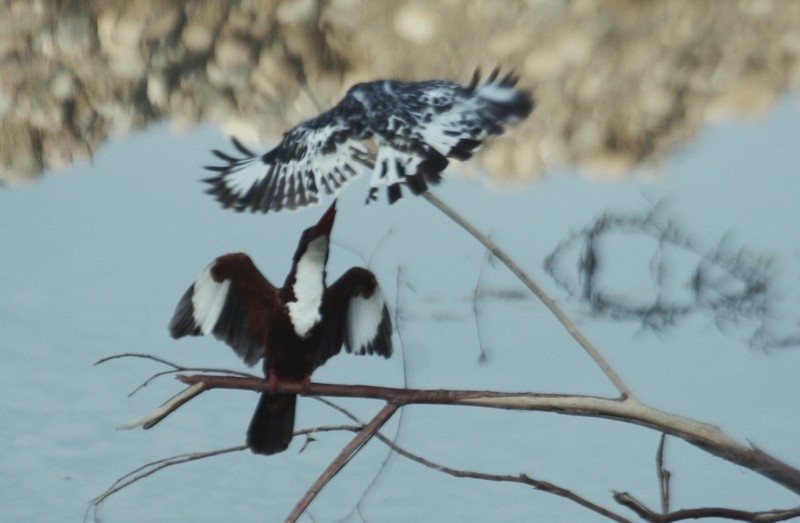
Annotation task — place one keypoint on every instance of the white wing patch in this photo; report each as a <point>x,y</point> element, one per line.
<point>364,316</point>
<point>208,299</point>
<point>393,161</point>
<point>308,288</point>
<point>436,136</point>
<point>335,170</point>
<point>240,180</point>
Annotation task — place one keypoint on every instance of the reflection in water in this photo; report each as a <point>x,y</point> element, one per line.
<point>618,83</point>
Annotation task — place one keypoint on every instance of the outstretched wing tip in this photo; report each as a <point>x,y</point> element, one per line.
<point>222,301</point>
<point>319,155</point>
<point>241,148</point>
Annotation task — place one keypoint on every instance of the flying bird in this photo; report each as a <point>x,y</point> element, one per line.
<point>415,127</point>
<point>294,329</point>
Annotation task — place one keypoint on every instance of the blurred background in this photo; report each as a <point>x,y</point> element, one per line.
<point>618,82</point>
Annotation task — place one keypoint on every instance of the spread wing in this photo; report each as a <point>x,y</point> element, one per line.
<point>233,301</point>
<point>429,122</point>
<point>356,316</point>
<point>319,155</point>
<point>416,126</point>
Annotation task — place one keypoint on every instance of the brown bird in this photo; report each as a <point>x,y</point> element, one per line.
<point>295,328</point>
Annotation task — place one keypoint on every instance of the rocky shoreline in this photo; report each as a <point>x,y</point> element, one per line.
<point>618,82</point>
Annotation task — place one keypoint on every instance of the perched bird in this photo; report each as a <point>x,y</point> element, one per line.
<point>416,127</point>
<point>295,329</point>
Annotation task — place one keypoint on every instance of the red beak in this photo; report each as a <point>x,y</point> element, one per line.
<point>325,224</point>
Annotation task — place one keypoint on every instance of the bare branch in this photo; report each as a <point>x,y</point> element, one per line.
<point>174,368</point>
<point>663,475</point>
<point>138,355</point>
<point>549,302</point>
<point>153,418</point>
<point>365,432</point>
<point>153,467</point>
<point>524,479</point>
<point>341,460</point>
<point>152,378</point>
<point>483,356</point>
<point>769,516</point>
<point>703,435</point>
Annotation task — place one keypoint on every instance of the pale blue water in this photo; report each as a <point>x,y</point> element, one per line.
<point>93,261</point>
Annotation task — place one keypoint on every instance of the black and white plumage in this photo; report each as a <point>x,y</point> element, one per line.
<point>295,329</point>
<point>416,127</point>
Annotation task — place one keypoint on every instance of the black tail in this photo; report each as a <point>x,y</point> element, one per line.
<point>272,425</point>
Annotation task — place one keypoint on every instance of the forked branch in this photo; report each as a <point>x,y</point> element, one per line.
<point>363,435</point>
<point>703,435</point>
<point>549,302</point>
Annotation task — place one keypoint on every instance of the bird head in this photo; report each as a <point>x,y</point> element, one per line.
<point>325,223</point>
<point>318,235</point>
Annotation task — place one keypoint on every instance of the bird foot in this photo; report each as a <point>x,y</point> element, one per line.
<point>272,382</point>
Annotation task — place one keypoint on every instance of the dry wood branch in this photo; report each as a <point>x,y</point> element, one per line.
<point>549,302</point>
<point>544,486</point>
<point>341,460</point>
<point>153,467</point>
<point>138,355</point>
<point>703,435</point>
<point>522,479</point>
<point>175,368</point>
<point>663,475</point>
<point>151,419</point>
<point>769,516</point>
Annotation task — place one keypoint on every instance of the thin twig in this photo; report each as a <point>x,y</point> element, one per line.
<point>216,370</point>
<point>663,475</point>
<point>153,467</point>
<point>341,460</point>
<point>483,356</point>
<point>138,355</point>
<point>151,419</point>
<point>151,379</point>
<point>544,486</point>
<point>174,368</point>
<point>550,303</point>
<point>641,510</point>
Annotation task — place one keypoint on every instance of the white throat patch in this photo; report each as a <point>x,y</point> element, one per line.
<point>308,287</point>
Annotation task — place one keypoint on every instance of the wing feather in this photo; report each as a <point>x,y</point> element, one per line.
<point>356,317</point>
<point>233,301</point>
<point>428,122</point>
<point>290,175</point>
